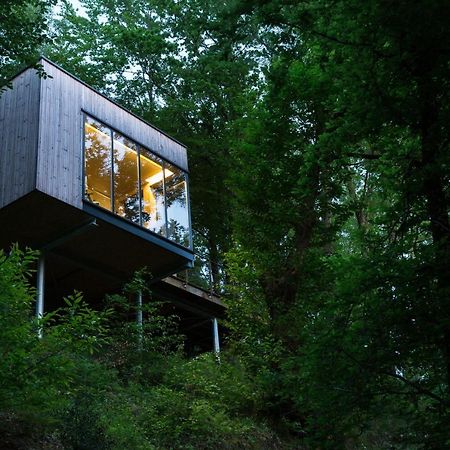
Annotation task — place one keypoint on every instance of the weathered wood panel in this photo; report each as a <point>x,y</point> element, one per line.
<point>19,119</point>
<point>60,163</point>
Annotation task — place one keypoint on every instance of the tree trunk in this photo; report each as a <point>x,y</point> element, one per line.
<point>214,263</point>
<point>437,209</point>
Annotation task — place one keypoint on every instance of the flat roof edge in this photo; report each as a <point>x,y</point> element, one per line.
<point>57,66</point>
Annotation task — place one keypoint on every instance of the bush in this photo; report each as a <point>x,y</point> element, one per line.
<point>95,382</point>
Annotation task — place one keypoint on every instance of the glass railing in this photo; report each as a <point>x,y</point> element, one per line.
<point>206,275</point>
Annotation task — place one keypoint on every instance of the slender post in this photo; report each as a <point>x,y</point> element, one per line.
<point>216,336</point>
<point>40,291</point>
<point>139,319</point>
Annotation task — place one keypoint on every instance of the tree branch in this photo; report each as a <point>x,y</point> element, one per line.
<point>364,155</point>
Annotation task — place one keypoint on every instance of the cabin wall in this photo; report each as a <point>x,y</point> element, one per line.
<point>60,159</point>
<point>19,120</point>
<point>60,163</point>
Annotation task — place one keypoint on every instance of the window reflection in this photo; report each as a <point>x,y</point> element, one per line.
<point>146,190</point>
<point>152,193</point>
<point>126,195</point>
<point>177,206</point>
<point>98,163</point>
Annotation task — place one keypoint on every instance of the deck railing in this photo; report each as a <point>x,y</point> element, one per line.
<point>205,274</point>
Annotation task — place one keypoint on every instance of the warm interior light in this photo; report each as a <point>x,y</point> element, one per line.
<point>96,130</point>
<point>158,177</point>
<point>125,160</point>
<point>151,180</point>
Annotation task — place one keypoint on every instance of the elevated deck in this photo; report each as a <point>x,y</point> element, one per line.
<point>190,297</point>
<point>198,310</point>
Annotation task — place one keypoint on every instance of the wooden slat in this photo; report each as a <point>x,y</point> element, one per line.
<point>19,108</point>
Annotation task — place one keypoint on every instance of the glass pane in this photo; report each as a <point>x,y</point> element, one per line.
<point>177,206</point>
<point>97,144</point>
<point>152,193</point>
<point>126,195</point>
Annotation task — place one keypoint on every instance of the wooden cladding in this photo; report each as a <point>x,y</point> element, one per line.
<point>64,100</point>
<point>19,125</point>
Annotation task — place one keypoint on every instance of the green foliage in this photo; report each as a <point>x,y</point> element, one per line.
<point>203,404</point>
<point>37,373</point>
<point>95,380</point>
<point>335,226</point>
<point>25,29</point>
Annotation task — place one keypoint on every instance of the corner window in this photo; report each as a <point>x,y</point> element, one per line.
<point>177,205</point>
<point>152,193</point>
<point>132,182</point>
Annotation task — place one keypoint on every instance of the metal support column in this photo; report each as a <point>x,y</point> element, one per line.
<point>216,336</point>
<point>40,291</point>
<point>139,319</point>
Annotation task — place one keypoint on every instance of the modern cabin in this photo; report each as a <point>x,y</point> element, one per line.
<point>99,191</point>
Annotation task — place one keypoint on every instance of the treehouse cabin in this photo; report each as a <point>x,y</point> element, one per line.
<point>99,191</point>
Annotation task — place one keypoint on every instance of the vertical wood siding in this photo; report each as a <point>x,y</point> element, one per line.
<point>19,118</point>
<point>60,161</point>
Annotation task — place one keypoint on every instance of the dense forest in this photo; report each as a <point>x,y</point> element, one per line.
<point>318,140</point>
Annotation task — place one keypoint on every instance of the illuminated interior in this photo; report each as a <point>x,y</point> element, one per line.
<point>152,193</point>
<point>98,164</point>
<point>139,186</point>
<point>126,174</point>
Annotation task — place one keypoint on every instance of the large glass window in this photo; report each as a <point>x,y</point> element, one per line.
<point>152,193</point>
<point>135,184</point>
<point>98,163</point>
<point>126,174</point>
<point>177,205</point>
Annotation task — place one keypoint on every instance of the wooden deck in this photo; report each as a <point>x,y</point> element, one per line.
<point>189,297</point>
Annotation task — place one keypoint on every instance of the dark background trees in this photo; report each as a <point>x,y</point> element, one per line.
<point>353,122</point>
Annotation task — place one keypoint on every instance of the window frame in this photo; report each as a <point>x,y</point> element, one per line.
<point>165,161</point>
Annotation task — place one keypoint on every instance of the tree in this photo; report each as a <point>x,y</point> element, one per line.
<point>318,136</point>
<point>353,120</point>
<point>24,30</point>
